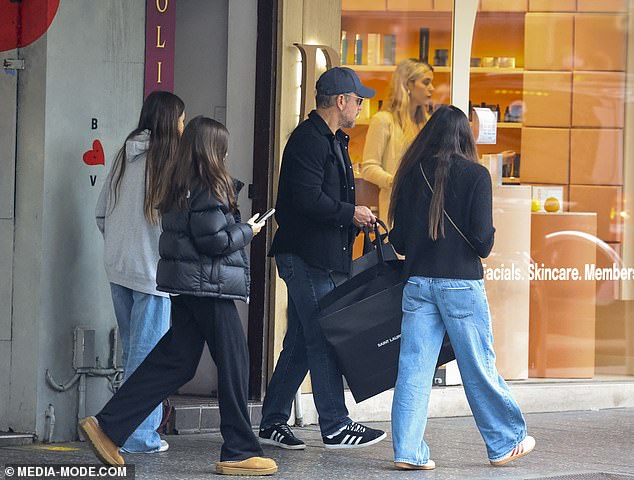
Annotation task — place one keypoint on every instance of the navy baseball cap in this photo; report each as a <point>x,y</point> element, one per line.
<point>340,80</point>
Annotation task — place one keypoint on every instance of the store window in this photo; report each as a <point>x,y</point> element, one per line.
<point>554,72</point>
<point>384,41</point>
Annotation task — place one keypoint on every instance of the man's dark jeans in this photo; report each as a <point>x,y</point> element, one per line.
<point>305,348</point>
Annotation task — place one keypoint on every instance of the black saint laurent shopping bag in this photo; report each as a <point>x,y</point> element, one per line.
<point>361,319</point>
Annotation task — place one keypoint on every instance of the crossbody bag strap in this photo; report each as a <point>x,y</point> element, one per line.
<point>444,211</point>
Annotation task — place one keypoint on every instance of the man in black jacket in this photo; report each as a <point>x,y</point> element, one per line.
<point>318,221</point>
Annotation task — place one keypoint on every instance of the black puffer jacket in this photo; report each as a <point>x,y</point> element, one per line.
<point>202,250</point>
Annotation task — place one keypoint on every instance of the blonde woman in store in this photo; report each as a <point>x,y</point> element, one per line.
<point>393,129</point>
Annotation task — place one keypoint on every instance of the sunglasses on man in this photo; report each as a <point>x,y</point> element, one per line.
<point>358,99</point>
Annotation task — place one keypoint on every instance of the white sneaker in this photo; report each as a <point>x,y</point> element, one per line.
<point>525,447</point>
<point>163,448</point>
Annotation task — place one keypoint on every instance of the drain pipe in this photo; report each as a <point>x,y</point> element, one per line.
<point>58,386</point>
<point>80,376</point>
<point>81,401</point>
<point>113,374</point>
<point>115,346</point>
<point>49,423</point>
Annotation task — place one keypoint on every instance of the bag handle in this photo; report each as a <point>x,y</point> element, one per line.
<point>444,211</point>
<point>369,245</point>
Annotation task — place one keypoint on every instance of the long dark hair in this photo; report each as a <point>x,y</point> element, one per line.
<point>160,115</point>
<point>446,133</point>
<point>200,159</point>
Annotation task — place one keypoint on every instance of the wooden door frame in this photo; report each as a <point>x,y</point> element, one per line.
<point>260,191</point>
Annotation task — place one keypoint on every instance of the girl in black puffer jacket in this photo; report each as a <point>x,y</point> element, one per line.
<point>204,266</point>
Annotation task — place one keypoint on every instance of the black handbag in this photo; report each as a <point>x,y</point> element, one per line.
<point>361,319</point>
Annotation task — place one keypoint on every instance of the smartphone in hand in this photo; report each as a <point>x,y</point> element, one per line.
<point>266,215</point>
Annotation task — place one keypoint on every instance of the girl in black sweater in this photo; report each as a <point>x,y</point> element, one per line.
<point>442,212</point>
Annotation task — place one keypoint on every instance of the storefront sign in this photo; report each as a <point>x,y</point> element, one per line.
<point>160,36</point>
<point>309,72</point>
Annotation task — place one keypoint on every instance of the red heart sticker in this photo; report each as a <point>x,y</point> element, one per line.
<point>95,156</point>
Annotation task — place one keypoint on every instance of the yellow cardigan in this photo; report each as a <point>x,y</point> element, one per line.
<point>385,144</point>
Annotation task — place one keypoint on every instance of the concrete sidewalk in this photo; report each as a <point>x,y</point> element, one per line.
<point>580,445</point>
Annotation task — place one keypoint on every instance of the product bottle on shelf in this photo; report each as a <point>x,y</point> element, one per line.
<point>358,49</point>
<point>374,53</point>
<point>389,49</point>
<point>344,47</point>
<point>423,47</point>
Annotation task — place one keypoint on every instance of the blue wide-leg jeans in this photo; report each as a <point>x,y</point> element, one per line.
<point>432,306</point>
<point>143,319</point>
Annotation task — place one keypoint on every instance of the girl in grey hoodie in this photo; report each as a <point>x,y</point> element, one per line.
<point>129,221</point>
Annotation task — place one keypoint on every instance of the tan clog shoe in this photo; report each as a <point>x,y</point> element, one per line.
<point>250,466</point>
<point>101,445</point>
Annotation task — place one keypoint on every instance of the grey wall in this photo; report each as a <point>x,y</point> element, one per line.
<point>242,42</point>
<point>8,94</point>
<point>25,355</point>
<point>241,53</point>
<point>200,77</point>
<point>215,76</point>
<point>90,64</point>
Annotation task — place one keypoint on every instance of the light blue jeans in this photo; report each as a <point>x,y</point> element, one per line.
<point>432,306</point>
<point>143,319</point>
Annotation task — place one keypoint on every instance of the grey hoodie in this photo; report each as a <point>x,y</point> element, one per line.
<point>130,242</point>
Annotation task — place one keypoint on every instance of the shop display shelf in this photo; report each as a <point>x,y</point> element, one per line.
<point>438,69</point>
<point>389,68</point>
<point>497,70</point>
<point>510,125</point>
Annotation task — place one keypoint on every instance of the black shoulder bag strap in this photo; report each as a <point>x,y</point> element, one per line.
<point>444,211</point>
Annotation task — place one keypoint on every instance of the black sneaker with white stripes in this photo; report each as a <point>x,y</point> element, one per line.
<point>354,435</point>
<point>281,436</point>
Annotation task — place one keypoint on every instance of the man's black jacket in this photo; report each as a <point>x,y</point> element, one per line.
<point>315,199</point>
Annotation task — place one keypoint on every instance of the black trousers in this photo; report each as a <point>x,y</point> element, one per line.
<point>173,362</point>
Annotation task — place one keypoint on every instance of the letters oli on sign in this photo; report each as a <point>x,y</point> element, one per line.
<point>161,7</point>
<point>164,7</point>
<point>309,72</point>
<point>158,38</point>
<point>159,65</point>
<point>159,45</point>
